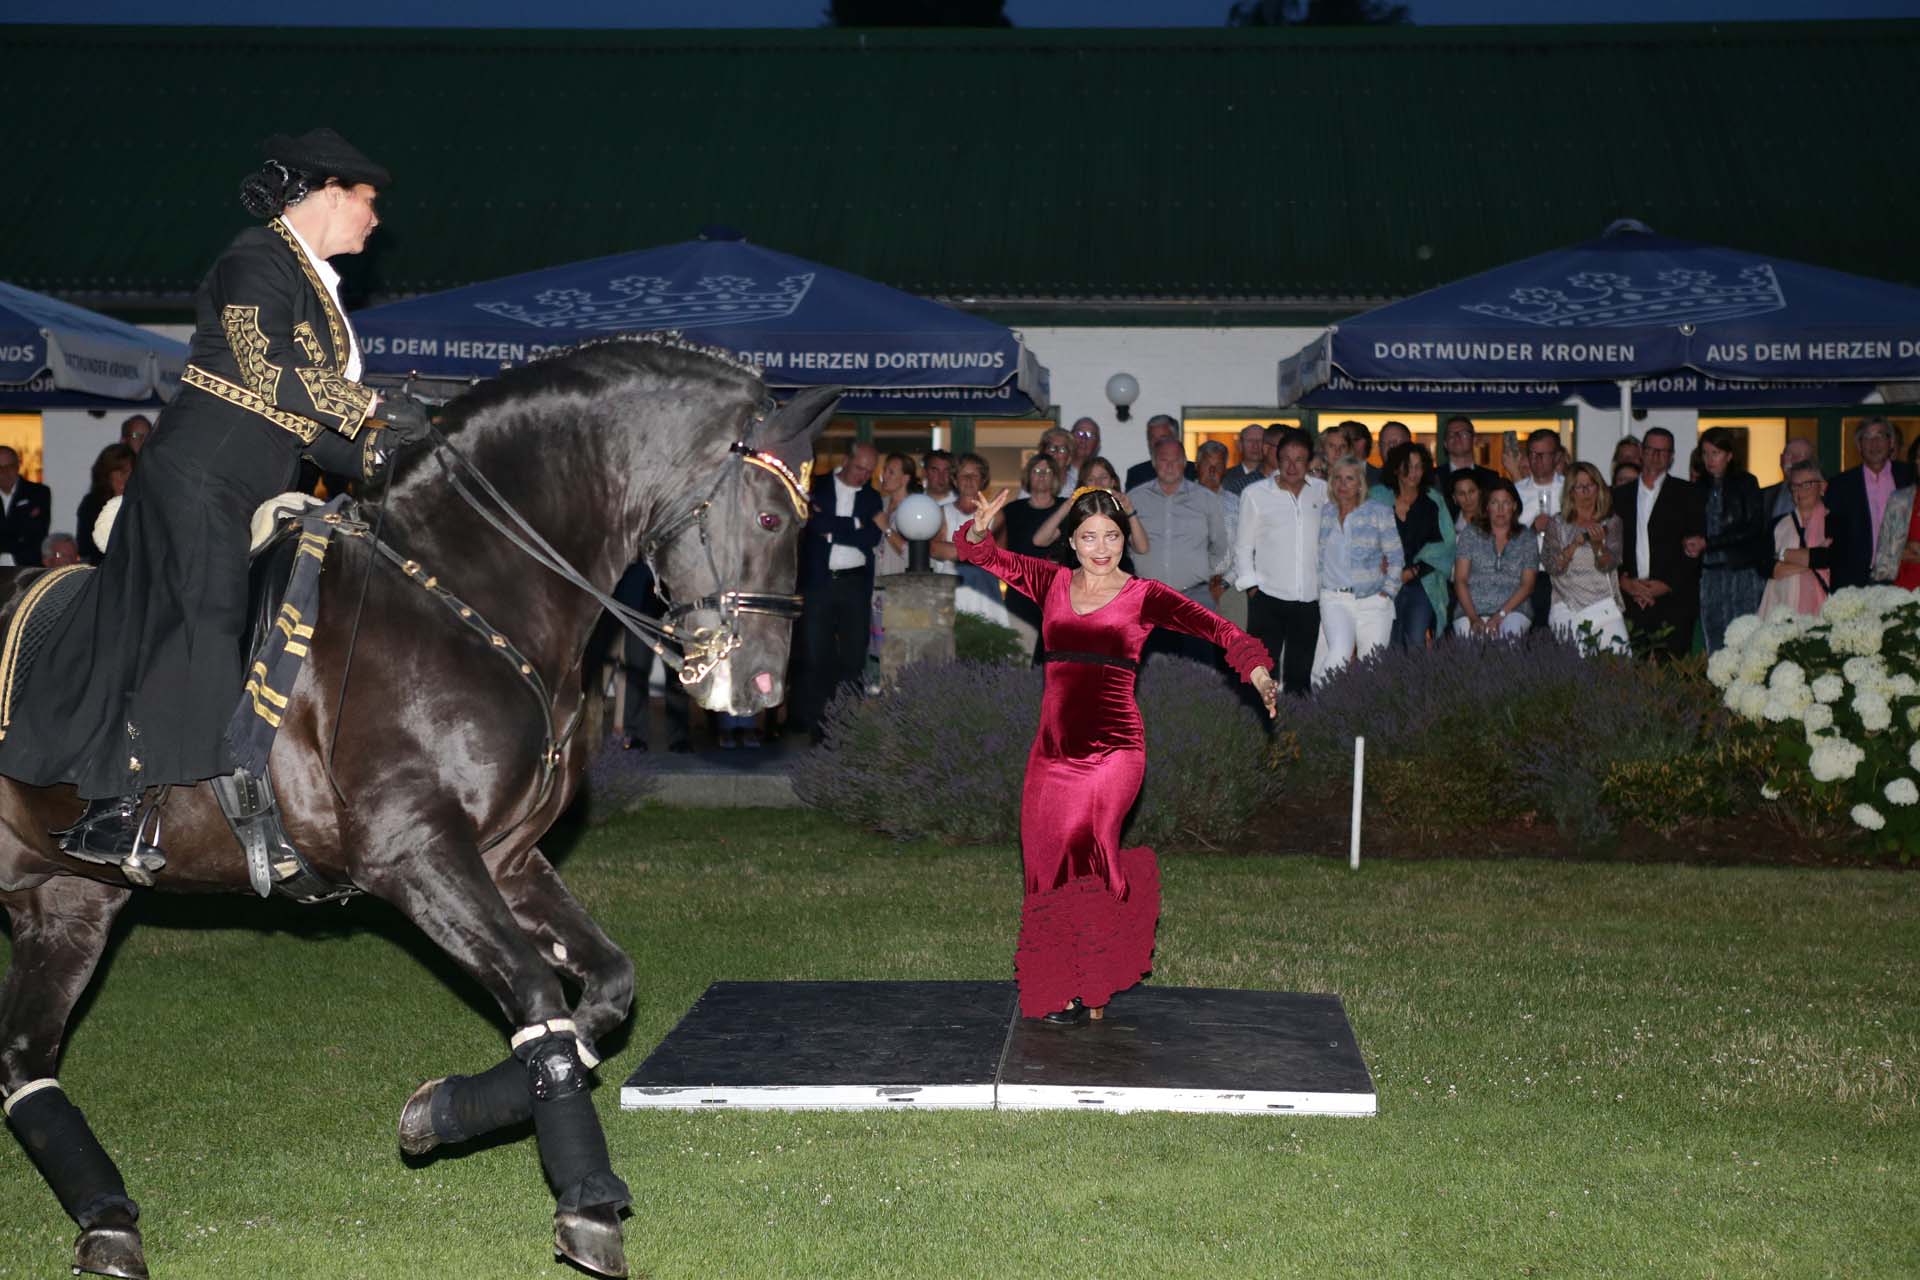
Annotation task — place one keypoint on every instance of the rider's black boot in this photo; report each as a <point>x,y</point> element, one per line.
<point>109,830</point>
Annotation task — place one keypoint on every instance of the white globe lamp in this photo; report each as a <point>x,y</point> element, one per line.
<point>918,518</point>
<point>1122,390</point>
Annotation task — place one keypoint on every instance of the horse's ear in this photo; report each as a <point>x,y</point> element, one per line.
<point>790,432</point>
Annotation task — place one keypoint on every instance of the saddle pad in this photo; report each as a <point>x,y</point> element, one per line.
<point>32,622</point>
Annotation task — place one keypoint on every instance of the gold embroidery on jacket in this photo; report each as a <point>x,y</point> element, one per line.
<point>249,344</point>
<point>334,396</point>
<point>309,343</point>
<point>336,327</point>
<point>214,385</point>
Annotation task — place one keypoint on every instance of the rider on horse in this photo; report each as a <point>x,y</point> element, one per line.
<point>134,688</point>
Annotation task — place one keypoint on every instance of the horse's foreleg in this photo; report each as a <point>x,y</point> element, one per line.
<point>455,903</point>
<point>59,932</point>
<point>461,1108</point>
<point>550,914</point>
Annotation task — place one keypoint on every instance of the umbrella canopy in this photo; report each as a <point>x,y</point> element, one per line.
<point>49,347</point>
<point>1629,305</point>
<point>803,323</point>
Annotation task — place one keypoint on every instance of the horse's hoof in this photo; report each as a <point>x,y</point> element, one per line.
<point>591,1238</point>
<point>110,1251</point>
<point>416,1120</point>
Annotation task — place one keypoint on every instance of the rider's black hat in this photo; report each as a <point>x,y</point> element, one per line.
<point>326,154</point>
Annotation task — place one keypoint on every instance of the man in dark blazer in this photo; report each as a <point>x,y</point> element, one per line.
<point>1658,579</point>
<point>1159,427</point>
<point>836,583</point>
<point>26,512</point>
<point>1776,500</point>
<point>1457,443</point>
<point>1857,496</point>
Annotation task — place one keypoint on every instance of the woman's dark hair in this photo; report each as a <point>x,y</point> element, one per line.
<point>1618,467</point>
<point>1088,505</point>
<point>906,462</point>
<point>1099,460</point>
<point>1727,441</point>
<point>1397,462</point>
<point>1502,485</point>
<point>111,459</point>
<point>268,190</point>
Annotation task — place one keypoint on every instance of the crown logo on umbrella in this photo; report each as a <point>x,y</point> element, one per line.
<point>650,302</point>
<point>1606,300</point>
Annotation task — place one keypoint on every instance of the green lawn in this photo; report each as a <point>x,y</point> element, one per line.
<point>1583,1070</point>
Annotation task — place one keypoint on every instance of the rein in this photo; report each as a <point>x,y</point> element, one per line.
<point>703,649</point>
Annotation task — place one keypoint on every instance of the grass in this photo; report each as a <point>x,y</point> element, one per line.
<point>1584,1070</point>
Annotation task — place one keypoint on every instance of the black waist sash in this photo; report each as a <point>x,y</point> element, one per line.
<point>1098,659</point>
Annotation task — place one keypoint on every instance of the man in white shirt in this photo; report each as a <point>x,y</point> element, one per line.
<point>836,583</point>
<point>1276,561</point>
<point>1540,491</point>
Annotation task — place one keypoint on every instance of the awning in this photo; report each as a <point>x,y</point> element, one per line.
<point>803,323</point>
<point>52,352</point>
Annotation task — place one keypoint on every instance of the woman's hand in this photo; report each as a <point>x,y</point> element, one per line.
<point>1910,553</point>
<point>985,512</point>
<point>1269,690</point>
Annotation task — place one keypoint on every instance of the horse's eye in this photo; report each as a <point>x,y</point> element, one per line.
<point>769,521</point>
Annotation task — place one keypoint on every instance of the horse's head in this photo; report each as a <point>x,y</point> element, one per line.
<point>727,566</point>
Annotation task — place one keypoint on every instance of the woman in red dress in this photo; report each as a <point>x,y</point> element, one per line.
<point>1087,925</point>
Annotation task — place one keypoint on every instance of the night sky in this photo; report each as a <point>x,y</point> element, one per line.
<point>807,13</point>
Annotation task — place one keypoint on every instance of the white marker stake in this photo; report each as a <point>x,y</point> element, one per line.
<point>1359,780</point>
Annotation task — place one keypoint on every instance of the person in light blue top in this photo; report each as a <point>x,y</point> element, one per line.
<point>1360,566</point>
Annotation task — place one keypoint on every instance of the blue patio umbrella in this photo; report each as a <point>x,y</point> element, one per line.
<point>803,323</point>
<point>1631,305</point>
<point>54,354</point>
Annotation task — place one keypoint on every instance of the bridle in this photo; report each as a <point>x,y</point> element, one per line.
<point>701,649</point>
<point>705,648</point>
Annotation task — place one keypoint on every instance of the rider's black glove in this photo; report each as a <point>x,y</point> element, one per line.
<point>406,418</point>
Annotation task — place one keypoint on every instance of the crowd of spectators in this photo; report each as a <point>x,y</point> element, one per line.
<point>1326,556</point>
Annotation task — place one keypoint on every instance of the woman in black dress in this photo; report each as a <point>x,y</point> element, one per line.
<point>1022,520</point>
<point>135,686</point>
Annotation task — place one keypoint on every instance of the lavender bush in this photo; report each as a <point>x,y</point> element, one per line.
<point>943,754</point>
<point>617,780</point>
<point>1471,734</point>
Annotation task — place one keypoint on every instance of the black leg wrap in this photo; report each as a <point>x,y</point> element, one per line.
<point>467,1107</point>
<point>573,1150</point>
<point>72,1160</point>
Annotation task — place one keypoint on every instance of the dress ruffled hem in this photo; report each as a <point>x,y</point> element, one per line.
<point>1081,940</point>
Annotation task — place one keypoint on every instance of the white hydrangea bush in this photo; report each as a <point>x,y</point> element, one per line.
<point>1843,691</point>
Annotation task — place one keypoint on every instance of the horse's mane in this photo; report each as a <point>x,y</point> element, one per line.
<point>589,365</point>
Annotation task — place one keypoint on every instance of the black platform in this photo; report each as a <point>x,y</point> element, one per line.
<point>847,1045</point>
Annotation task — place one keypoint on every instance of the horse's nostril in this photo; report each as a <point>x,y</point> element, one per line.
<point>763,682</point>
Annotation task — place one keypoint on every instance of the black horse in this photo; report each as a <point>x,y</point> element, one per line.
<point>431,782</point>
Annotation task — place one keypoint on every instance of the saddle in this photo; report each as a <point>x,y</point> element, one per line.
<point>246,796</point>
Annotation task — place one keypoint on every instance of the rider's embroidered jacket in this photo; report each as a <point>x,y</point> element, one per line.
<point>269,344</point>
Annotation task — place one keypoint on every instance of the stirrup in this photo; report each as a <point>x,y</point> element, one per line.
<point>123,831</point>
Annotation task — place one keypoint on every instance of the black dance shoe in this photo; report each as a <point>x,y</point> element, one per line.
<point>1071,1016</point>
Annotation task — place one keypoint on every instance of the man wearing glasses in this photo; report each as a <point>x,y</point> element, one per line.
<point>1857,501</point>
<point>1086,444</point>
<point>1660,581</point>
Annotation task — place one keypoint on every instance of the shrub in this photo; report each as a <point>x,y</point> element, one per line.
<point>1470,734</point>
<point>977,640</point>
<point>1839,697</point>
<point>943,754</point>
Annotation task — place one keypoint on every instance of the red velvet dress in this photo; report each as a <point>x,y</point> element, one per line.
<point>1909,575</point>
<point>1087,924</point>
